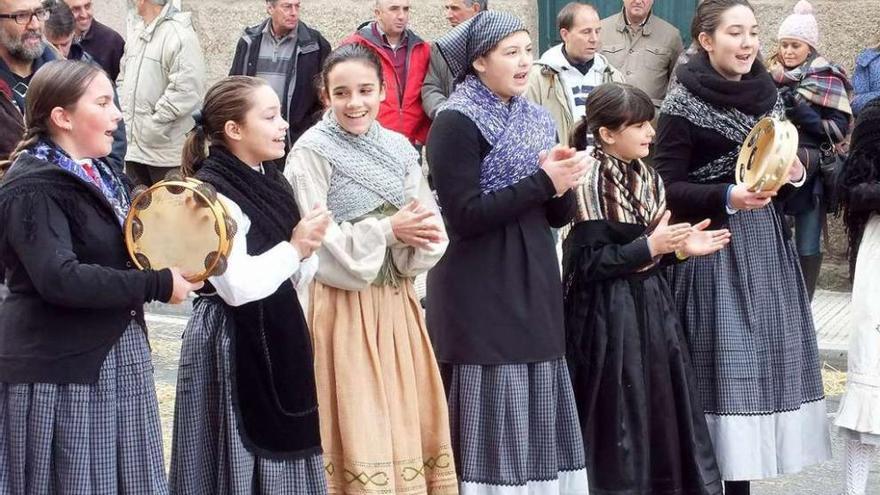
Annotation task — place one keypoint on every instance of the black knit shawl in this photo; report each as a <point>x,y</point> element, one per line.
<point>273,376</point>
<point>754,94</point>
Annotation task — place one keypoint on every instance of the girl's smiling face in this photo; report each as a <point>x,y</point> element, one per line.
<point>354,93</point>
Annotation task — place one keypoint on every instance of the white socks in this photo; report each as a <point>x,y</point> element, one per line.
<point>858,464</point>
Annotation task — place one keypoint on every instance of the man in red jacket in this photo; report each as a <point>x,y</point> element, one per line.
<point>405,59</point>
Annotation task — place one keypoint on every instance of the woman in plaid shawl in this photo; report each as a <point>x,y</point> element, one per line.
<point>816,96</point>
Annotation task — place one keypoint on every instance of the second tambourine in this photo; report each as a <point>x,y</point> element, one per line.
<point>767,154</point>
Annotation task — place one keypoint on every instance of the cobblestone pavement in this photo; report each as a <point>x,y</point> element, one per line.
<point>166,331</point>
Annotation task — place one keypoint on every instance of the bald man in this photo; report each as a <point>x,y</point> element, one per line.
<point>563,78</point>
<point>439,81</point>
<point>405,57</point>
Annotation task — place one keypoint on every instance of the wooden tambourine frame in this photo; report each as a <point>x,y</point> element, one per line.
<point>767,154</point>
<point>179,222</point>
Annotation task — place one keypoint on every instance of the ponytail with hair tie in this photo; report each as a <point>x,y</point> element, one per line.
<point>194,148</point>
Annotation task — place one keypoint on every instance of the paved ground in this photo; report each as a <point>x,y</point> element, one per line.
<point>830,309</point>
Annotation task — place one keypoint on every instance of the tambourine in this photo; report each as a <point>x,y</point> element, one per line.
<point>767,154</point>
<point>179,222</point>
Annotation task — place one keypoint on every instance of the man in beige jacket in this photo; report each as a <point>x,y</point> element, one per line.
<point>161,84</point>
<point>643,46</point>
<point>562,79</point>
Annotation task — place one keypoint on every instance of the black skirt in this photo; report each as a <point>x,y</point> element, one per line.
<point>643,426</point>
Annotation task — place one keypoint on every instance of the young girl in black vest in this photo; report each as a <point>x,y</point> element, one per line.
<point>246,417</point>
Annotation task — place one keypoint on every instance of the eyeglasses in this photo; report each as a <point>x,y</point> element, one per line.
<point>24,18</point>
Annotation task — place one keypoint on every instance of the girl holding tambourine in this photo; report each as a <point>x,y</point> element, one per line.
<point>745,309</point>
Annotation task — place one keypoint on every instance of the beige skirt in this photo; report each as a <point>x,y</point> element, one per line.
<point>384,418</point>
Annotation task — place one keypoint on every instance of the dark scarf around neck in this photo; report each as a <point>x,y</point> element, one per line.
<point>274,389</point>
<point>755,94</point>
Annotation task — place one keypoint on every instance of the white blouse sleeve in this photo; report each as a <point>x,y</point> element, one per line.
<point>411,261</point>
<point>352,253</point>
<point>251,278</point>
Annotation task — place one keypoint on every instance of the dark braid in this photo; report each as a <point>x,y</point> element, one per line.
<point>60,83</point>
<point>31,136</point>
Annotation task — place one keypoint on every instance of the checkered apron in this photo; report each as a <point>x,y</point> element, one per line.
<point>513,424</point>
<point>207,456</point>
<point>748,321</point>
<point>74,438</point>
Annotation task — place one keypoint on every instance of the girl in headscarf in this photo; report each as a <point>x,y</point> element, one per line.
<point>495,300</point>
<point>384,425</point>
<point>643,425</point>
<point>745,310</point>
<point>859,413</point>
<point>816,97</point>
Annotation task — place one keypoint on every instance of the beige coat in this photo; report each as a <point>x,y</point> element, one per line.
<point>645,55</point>
<point>547,88</point>
<point>161,83</point>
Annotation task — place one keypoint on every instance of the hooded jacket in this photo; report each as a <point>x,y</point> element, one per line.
<point>161,83</point>
<point>552,80</point>
<point>407,116</point>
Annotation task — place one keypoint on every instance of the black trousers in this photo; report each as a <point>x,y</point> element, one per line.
<point>147,175</point>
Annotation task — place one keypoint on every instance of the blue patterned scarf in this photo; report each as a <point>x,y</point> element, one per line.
<point>111,185</point>
<point>517,131</point>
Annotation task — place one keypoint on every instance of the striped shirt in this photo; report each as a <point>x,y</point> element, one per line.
<point>275,62</point>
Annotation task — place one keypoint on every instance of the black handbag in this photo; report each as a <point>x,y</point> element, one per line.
<point>831,162</point>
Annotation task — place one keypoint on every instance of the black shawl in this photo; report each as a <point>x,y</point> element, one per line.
<point>273,376</point>
<point>754,94</point>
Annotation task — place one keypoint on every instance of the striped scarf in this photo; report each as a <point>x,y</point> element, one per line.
<point>517,131</point>
<point>617,191</point>
<point>818,81</point>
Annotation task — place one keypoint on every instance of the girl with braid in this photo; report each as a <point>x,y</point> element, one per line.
<point>78,408</point>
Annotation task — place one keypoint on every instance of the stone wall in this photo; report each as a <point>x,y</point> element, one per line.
<point>220,22</point>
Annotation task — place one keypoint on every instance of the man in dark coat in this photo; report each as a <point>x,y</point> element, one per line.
<point>288,54</point>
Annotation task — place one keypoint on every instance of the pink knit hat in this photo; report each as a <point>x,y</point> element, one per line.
<point>801,25</point>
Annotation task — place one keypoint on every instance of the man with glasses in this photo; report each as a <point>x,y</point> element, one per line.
<point>288,54</point>
<point>22,52</point>
<point>104,44</point>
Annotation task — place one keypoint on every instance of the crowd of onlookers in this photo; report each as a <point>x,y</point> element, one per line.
<point>468,86</point>
<point>160,72</point>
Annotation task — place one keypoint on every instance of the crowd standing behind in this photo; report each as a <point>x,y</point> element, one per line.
<point>308,367</point>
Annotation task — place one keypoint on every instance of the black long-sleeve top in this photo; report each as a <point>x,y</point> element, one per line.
<point>683,147</point>
<point>72,288</point>
<point>496,296</point>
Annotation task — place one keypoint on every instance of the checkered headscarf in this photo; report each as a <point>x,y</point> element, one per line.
<point>476,37</point>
